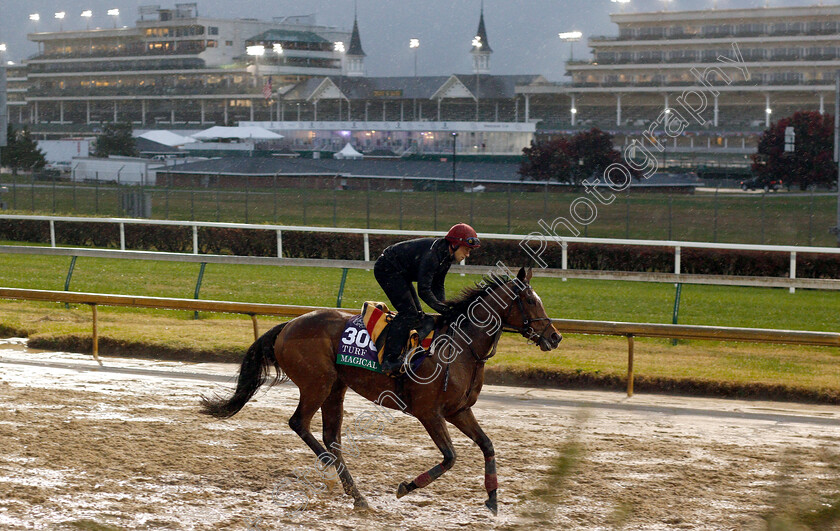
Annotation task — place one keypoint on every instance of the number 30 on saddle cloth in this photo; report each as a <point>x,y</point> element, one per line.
<point>362,341</point>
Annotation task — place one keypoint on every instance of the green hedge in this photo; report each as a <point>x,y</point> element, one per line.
<point>252,242</point>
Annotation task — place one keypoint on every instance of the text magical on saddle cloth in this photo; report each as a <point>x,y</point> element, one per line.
<point>357,349</point>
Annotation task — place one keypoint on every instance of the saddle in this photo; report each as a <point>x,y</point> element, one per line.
<point>377,317</point>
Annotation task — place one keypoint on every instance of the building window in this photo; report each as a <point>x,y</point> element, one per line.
<point>626,33</point>
<point>605,57</point>
<point>212,44</point>
<point>652,33</point>
<point>228,43</point>
<point>682,56</point>
<point>753,54</point>
<point>709,56</point>
<point>212,30</point>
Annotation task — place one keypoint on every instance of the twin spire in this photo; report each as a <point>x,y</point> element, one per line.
<point>355,55</point>
<point>480,49</point>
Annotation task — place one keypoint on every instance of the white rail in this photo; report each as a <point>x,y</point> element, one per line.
<point>542,238</point>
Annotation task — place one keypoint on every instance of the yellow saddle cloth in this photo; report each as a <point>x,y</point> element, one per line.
<point>376,317</point>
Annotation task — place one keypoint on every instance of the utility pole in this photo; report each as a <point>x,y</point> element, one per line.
<point>836,228</point>
<point>4,117</point>
<point>454,139</point>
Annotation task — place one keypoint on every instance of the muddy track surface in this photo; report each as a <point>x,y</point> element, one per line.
<point>123,447</point>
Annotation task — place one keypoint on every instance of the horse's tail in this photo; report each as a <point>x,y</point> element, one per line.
<point>254,372</point>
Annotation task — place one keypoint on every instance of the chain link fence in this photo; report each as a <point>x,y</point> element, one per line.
<point>721,216</point>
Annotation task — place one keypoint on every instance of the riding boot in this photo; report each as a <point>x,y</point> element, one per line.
<point>398,331</point>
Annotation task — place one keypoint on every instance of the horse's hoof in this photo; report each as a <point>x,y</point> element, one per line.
<point>361,504</point>
<point>491,503</point>
<point>402,490</point>
<point>493,506</point>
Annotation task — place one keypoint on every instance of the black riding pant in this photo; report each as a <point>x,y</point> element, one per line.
<point>399,291</point>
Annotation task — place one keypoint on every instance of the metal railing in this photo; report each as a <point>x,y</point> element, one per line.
<point>791,282</point>
<point>587,274</point>
<point>569,326</point>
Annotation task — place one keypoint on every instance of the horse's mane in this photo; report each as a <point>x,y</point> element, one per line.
<point>468,295</point>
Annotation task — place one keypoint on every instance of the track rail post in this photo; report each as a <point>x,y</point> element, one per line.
<point>198,285</point>
<point>256,326</point>
<point>95,338</point>
<point>69,276</point>
<point>341,288</point>
<point>630,348</point>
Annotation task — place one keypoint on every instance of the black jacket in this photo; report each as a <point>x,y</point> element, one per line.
<point>425,261</point>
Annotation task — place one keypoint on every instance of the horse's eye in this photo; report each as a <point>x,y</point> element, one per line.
<point>531,301</point>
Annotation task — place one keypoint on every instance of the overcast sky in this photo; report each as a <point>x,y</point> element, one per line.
<point>522,33</point>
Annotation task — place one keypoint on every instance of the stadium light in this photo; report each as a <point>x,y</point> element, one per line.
<point>414,44</point>
<point>571,37</point>
<point>256,51</point>
<point>86,14</point>
<point>114,13</point>
<point>621,3</point>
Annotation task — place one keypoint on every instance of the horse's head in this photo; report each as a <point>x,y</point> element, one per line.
<point>527,314</point>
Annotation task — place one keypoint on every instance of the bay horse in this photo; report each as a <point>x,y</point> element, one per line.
<point>304,351</point>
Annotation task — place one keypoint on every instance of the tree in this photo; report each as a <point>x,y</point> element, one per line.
<point>116,139</point>
<point>811,162</point>
<point>569,159</point>
<point>547,161</point>
<point>595,152</point>
<point>21,151</point>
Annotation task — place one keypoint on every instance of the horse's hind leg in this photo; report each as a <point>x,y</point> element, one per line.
<point>440,435</point>
<point>310,402</point>
<point>332,414</point>
<point>465,421</point>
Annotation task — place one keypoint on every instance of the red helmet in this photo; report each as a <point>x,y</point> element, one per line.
<point>463,234</point>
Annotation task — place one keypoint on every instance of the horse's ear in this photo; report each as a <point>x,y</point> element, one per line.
<point>524,276</point>
<point>529,274</point>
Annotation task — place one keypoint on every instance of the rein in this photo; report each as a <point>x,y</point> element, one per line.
<point>526,330</point>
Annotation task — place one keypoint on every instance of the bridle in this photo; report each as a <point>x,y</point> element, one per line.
<point>526,330</point>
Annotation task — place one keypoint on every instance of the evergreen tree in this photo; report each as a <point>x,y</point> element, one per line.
<point>116,139</point>
<point>21,151</point>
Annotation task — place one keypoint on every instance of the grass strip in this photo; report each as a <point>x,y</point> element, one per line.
<point>696,368</point>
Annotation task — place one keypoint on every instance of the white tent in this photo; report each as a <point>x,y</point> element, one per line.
<point>241,133</point>
<point>167,138</point>
<point>348,153</point>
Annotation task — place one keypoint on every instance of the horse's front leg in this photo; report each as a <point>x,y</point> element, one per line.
<point>465,421</point>
<point>440,435</point>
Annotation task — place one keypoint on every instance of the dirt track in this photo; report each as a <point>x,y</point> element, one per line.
<point>124,447</point>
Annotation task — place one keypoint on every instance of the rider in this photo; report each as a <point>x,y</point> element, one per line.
<point>425,261</point>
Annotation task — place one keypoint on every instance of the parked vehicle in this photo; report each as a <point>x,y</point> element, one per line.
<point>760,183</point>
